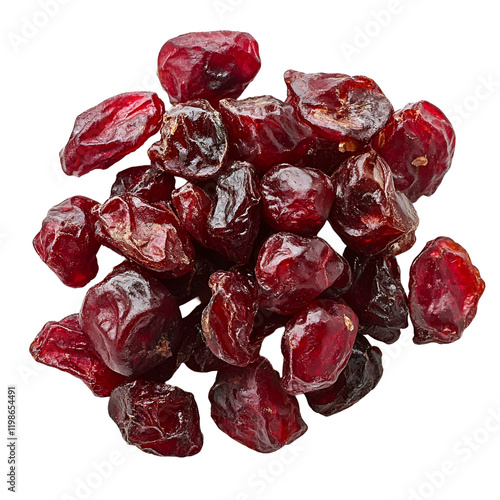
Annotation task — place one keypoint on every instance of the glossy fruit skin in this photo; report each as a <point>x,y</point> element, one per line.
<point>339,107</point>
<point>361,374</point>
<point>418,143</point>
<point>157,418</point>
<point>250,406</point>
<point>292,270</point>
<point>316,346</point>
<point>66,241</point>
<point>377,295</point>
<point>441,312</point>
<point>193,141</point>
<point>148,234</point>
<point>106,133</point>
<point>228,319</point>
<point>208,65</point>
<point>368,213</point>
<point>148,182</point>
<point>264,131</point>
<point>131,319</point>
<point>297,200</point>
<point>63,345</point>
<point>234,219</point>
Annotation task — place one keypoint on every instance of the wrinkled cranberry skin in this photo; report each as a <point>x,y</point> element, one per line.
<point>441,312</point>
<point>63,345</point>
<point>316,346</point>
<point>66,241</point>
<point>131,319</point>
<point>368,213</point>
<point>208,65</point>
<point>418,143</point>
<point>361,374</point>
<point>193,141</point>
<point>339,107</point>
<point>292,270</point>
<point>377,295</point>
<point>147,234</point>
<point>234,219</point>
<point>264,131</point>
<point>296,199</point>
<point>111,130</point>
<point>147,182</point>
<point>250,406</point>
<point>228,319</point>
<point>157,418</point>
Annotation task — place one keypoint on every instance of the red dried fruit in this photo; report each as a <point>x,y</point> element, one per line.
<point>361,374</point>
<point>150,183</point>
<point>66,242</point>
<point>265,324</point>
<point>111,130</point>
<point>147,234</point>
<point>63,345</point>
<point>157,418</point>
<point>445,288</point>
<point>131,319</point>
<point>377,295</point>
<point>264,131</point>
<point>339,107</point>
<point>250,406</point>
<point>316,346</point>
<point>208,65</point>
<point>193,141</point>
<point>235,217</point>
<point>367,212</point>
<point>296,199</point>
<point>228,319</point>
<point>418,143</point>
<point>292,270</point>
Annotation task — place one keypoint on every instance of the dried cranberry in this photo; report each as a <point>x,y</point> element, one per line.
<point>264,131</point>
<point>418,143</point>
<point>131,319</point>
<point>316,346</point>
<point>228,318</point>
<point>377,295</point>
<point>368,213</point>
<point>193,141</point>
<point>208,65</point>
<point>250,406</point>
<point>296,199</point>
<point>292,270</point>
<point>111,130</point>
<point>339,107</point>
<point>235,217</point>
<point>66,242</point>
<point>150,183</point>
<point>157,418</point>
<point>361,374</point>
<point>148,234</point>
<point>63,345</point>
<point>445,288</point>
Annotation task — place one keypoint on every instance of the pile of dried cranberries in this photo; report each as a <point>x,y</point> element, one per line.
<point>263,177</point>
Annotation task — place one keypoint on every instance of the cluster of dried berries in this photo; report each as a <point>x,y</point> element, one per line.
<point>262,177</point>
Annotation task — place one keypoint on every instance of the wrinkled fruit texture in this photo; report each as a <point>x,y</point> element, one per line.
<point>316,346</point>
<point>109,131</point>
<point>131,319</point>
<point>208,65</point>
<point>445,288</point>
<point>66,241</point>
<point>157,418</point>
<point>250,406</point>
<point>418,144</point>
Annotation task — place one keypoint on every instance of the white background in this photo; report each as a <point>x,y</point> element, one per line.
<point>434,409</point>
